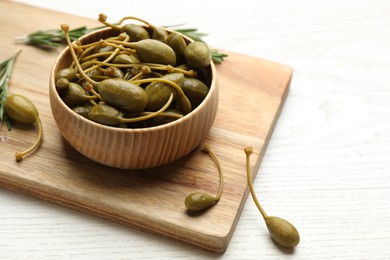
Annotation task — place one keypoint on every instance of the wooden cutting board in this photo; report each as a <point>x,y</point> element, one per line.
<point>252,92</point>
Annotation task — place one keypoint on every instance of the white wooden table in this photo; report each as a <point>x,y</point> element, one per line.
<point>326,169</point>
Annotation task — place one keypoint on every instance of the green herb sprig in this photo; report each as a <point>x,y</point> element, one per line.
<point>5,74</point>
<point>56,38</point>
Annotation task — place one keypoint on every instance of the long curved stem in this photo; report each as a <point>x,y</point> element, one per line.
<point>208,150</point>
<point>19,155</point>
<point>148,116</point>
<point>248,152</point>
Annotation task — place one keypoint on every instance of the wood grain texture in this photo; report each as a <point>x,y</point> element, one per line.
<point>151,200</point>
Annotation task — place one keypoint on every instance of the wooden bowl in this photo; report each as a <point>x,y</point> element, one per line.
<point>132,148</point>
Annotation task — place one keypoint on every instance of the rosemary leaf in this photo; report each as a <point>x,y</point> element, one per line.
<point>5,74</point>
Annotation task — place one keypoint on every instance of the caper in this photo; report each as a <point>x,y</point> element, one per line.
<point>195,90</point>
<point>282,231</point>
<point>135,31</point>
<point>123,94</point>
<point>82,110</point>
<point>168,116</point>
<point>62,85</point>
<point>154,51</point>
<point>113,72</point>
<point>178,44</point>
<point>159,34</point>
<point>21,109</point>
<point>76,95</point>
<point>159,92</point>
<point>105,114</point>
<point>183,104</point>
<point>197,55</point>
<point>124,58</point>
<point>108,115</point>
<point>197,201</point>
<point>67,73</point>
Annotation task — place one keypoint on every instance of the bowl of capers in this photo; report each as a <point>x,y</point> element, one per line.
<point>134,96</point>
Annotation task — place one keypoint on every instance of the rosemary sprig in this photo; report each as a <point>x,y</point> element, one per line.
<point>56,38</point>
<point>53,38</point>
<point>5,74</point>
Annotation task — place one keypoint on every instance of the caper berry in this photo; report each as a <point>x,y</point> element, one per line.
<point>197,201</point>
<point>197,55</point>
<point>282,231</point>
<point>22,110</point>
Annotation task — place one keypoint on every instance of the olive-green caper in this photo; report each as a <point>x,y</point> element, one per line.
<point>125,59</point>
<point>113,72</point>
<point>195,90</point>
<point>123,94</point>
<point>22,110</point>
<point>153,51</point>
<point>105,114</point>
<point>197,201</point>
<point>67,73</point>
<point>178,44</point>
<point>158,92</point>
<point>135,31</point>
<point>197,55</point>
<point>82,110</point>
<point>159,34</point>
<point>282,231</point>
<point>168,116</point>
<point>76,95</point>
<point>62,85</point>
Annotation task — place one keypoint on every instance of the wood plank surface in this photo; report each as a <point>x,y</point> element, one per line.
<point>252,92</point>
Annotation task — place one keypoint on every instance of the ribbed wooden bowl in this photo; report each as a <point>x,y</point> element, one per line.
<point>132,148</point>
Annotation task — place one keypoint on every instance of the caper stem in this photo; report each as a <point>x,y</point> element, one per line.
<point>19,155</point>
<point>207,149</point>
<point>65,29</point>
<point>137,19</point>
<point>248,151</point>
<point>148,116</point>
<point>169,82</point>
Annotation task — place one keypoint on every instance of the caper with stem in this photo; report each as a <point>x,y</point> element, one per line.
<point>282,231</point>
<point>22,110</point>
<point>197,201</point>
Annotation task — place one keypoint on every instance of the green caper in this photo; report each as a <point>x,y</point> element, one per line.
<point>135,31</point>
<point>154,51</point>
<point>123,94</point>
<point>67,73</point>
<point>197,55</point>
<point>76,95</point>
<point>158,92</point>
<point>159,34</point>
<point>105,114</point>
<point>178,44</point>
<point>168,116</point>
<point>62,85</point>
<point>125,59</point>
<point>95,74</point>
<point>282,231</point>
<point>195,90</point>
<point>199,200</point>
<point>108,115</point>
<point>22,110</point>
<point>113,72</point>
<point>82,110</point>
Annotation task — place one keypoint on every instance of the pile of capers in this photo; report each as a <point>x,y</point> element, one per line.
<point>142,76</point>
